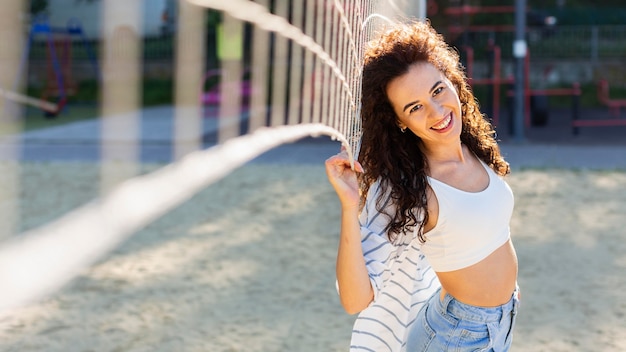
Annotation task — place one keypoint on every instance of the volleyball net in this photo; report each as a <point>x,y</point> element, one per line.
<point>287,69</point>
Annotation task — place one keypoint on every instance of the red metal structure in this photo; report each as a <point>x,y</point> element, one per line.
<point>496,81</point>
<point>59,42</point>
<point>573,92</point>
<point>614,105</point>
<point>60,82</point>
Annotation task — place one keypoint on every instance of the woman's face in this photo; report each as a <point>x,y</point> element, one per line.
<point>427,103</point>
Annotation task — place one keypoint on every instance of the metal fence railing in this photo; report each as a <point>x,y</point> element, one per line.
<point>573,42</point>
<point>561,42</point>
<point>594,44</point>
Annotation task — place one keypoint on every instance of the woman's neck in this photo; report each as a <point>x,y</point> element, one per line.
<point>444,153</point>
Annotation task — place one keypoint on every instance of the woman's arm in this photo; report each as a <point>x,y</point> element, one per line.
<point>355,288</point>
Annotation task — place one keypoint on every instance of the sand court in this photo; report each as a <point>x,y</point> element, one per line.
<point>248,265</point>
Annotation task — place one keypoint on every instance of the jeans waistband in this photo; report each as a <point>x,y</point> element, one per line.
<point>478,314</point>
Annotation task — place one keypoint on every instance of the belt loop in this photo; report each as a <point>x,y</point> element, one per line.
<point>445,303</point>
<point>516,299</point>
<point>510,309</point>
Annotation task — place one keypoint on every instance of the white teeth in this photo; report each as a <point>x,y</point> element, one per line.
<point>443,123</point>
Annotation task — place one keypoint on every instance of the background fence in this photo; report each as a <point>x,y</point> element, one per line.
<point>590,44</point>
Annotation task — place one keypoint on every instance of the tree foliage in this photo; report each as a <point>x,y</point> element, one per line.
<point>38,6</point>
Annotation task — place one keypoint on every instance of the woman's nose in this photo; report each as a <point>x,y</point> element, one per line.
<point>436,110</point>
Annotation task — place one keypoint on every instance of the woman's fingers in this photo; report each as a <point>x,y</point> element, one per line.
<point>343,178</point>
<point>336,166</point>
<point>338,159</point>
<point>358,167</point>
<point>342,158</point>
<point>344,153</point>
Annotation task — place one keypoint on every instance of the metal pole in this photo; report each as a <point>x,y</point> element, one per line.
<point>519,53</point>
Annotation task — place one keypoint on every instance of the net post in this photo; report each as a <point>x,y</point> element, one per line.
<point>121,92</point>
<point>11,43</point>
<point>259,76</point>
<point>189,79</point>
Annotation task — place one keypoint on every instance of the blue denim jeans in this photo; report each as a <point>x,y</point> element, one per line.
<point>450,325</point>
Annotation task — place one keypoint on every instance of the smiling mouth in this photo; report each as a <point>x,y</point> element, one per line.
<point>443,124</point>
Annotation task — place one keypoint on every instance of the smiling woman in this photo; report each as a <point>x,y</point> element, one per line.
<point>436,108</point>
<point>428,203</point>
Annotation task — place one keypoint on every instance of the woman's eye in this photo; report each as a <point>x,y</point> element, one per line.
<point>437,91</point>
<point>415,108</point>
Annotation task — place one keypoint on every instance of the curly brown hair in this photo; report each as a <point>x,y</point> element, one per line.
<point>393,157</point>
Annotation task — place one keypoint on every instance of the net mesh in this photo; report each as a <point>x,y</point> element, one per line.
<point>286,70</point>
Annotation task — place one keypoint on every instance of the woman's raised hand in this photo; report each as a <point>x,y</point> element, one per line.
<point>344,179</point>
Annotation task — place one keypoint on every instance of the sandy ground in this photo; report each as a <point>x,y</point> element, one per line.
<point>248,265</point>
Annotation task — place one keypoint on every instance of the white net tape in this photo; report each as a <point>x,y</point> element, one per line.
<point>36,263</point>
<point>40,261</point>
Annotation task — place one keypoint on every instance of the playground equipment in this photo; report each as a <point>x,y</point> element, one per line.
<point>614,105</point>
<point>533,94</point>
<point>59,43</point>
<point>494,82</point>
<point>535,103</point>
<point>535,100</point>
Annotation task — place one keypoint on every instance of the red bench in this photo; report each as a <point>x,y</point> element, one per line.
<point>614,105</point>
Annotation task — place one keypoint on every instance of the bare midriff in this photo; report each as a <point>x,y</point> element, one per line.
<point>488,283</point>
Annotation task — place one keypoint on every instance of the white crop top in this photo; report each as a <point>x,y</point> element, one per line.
<point>470,226</point>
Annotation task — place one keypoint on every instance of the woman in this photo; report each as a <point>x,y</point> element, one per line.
<point>431,174</point>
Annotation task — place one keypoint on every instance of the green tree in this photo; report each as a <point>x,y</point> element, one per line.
<point>38,7</point>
